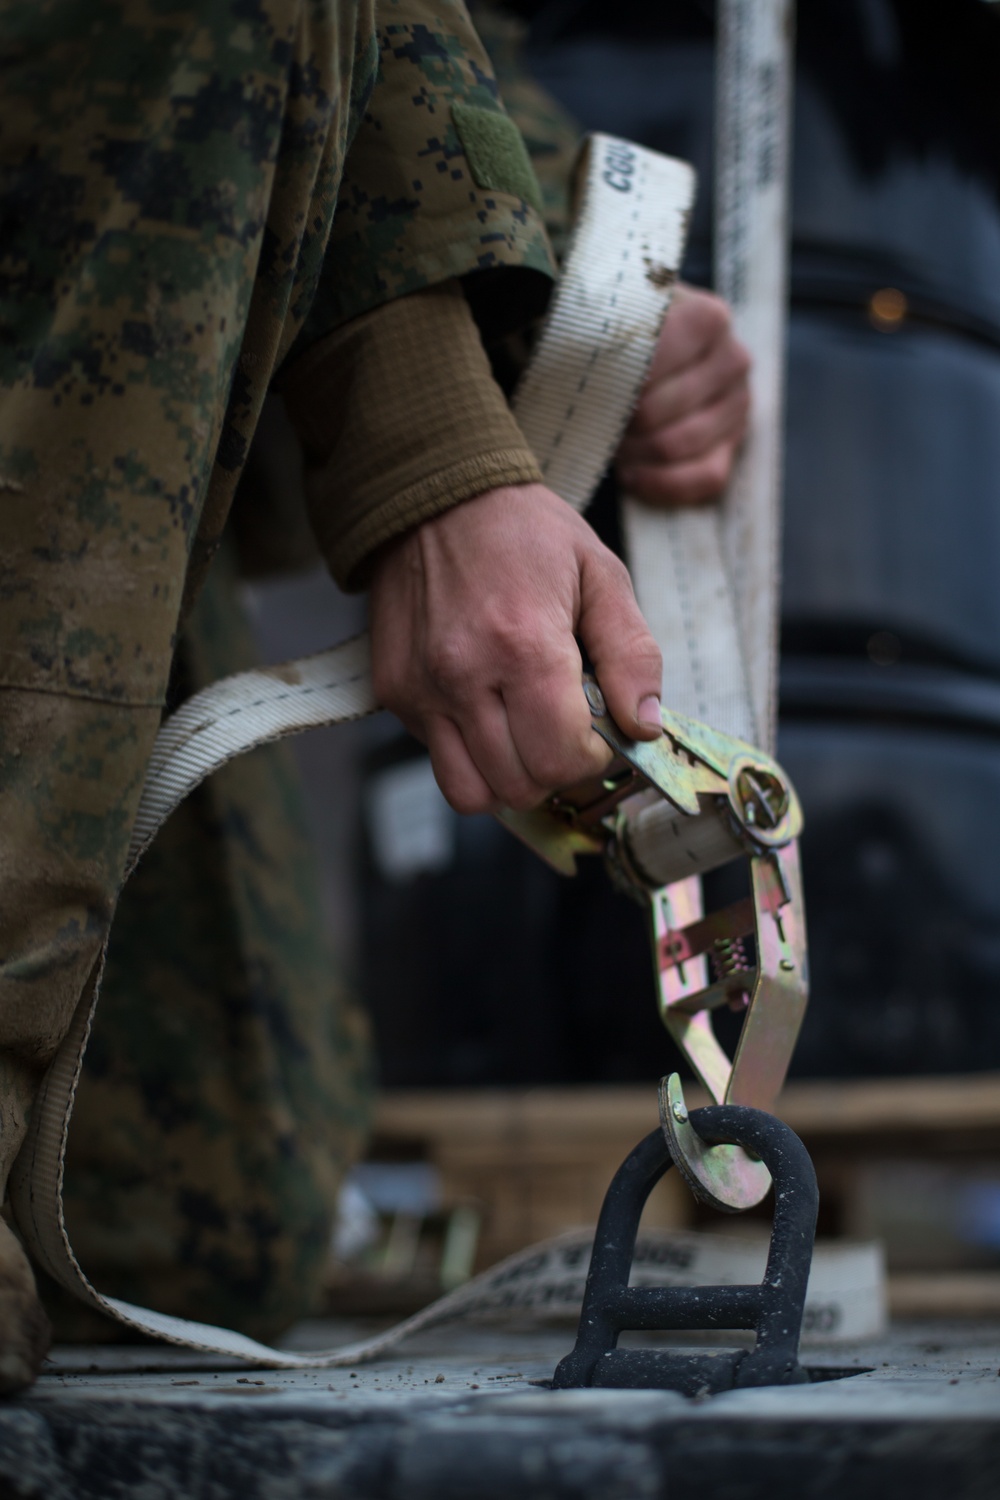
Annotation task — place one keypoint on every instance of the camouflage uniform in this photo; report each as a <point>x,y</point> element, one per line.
<point>168,174</point>
<point>551,134</point>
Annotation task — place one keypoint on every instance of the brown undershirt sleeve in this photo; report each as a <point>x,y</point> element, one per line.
<point>400,419</point>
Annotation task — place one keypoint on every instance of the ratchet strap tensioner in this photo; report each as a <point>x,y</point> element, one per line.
<point>665,813</point>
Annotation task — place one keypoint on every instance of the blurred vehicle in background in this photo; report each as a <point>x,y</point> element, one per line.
<point>479,964</point>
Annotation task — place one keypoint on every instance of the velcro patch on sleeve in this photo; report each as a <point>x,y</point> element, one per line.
<point>497,155</point>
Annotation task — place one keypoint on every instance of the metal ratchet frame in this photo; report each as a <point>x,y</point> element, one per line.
<point>725,800</point>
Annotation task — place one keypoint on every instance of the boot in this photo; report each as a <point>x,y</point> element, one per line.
<point>25,1333</point>
<point>71,772</point>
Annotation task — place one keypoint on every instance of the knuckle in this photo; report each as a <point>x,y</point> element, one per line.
<point>717,466</point>
<point>715,312</point>
<point>742,360</point>
<point>705,480</point>
<point>560,763</point>
<point>633,652</point>
<point>720,313</point>
<point>663,445</point>
<point>467,802</point>
<point>644,656</point>
<point>581,759</point>
<point>684,440</point>
<point>519,643</point>
<point>524,796</point>
<point>616,574</point>
<point>448,664</point>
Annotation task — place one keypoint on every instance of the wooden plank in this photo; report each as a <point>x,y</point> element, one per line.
<point>515,1116</point>
<point>527,1119</point>
<point>860,1106</point>
<point>525,1202</point>
<point>539,1160</point>
<point>945,1294</point>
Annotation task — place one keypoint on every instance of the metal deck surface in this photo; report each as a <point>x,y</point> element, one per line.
<point>459,1415</point>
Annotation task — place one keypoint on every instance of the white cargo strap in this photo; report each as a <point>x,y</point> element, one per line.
<point>708,578</point>
<point>574,403</point>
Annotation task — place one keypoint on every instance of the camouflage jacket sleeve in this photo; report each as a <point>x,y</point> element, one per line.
<point>550,132</point>
<point>437,184</point>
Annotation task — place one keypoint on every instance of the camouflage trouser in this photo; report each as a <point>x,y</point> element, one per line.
<point>159,165</point>
<point>226,1085</point>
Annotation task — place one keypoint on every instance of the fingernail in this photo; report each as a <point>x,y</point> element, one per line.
<point>649,712</point>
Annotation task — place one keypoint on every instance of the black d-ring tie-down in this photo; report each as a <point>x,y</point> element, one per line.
<point>772,1308</point>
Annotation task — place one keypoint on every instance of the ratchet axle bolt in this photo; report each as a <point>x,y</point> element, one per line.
<point>595,699</point>
<point>762,796</point>
<point>679,1113</point>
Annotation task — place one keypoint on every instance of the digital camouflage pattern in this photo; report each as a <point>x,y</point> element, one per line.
<point>168,174</point>
<point>415,230</point>
<point>227,1084</point>
<point>551,134</point>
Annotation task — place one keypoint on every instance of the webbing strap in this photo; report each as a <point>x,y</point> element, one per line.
<point>708,578</point>
<point>252,708</point>
<point>575,398</point>
<point>575,402</point>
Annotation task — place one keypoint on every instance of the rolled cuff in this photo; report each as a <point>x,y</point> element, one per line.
<point>353,553</point>
<point>400,419</point>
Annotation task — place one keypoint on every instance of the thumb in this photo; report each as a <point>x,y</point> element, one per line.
<point>626,658</point>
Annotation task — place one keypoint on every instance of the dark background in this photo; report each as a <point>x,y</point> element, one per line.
<point>486,968</point>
